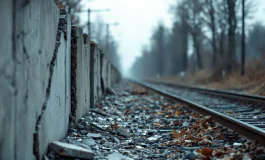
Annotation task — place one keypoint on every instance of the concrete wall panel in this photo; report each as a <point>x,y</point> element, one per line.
<point>7,92</point>
<point>104,68</point>
<point>55,121</point>
<point>109,74</point>
<point>94,73</point>
<point>80,72</point>
<point>87,72</point>
<point>35,33</point>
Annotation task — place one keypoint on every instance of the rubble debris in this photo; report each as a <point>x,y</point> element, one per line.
<point>70,150</point>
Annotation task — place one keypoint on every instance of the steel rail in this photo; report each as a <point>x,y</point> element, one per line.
<point>216,92</point>
<point>247,130</point>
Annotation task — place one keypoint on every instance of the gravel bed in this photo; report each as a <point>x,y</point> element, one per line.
<point>137,124</point>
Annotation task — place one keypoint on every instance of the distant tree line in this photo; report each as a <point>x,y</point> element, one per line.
<point>211,29</point>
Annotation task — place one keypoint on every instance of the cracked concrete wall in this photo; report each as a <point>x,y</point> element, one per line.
<point>94,73</point>
<point>35,32</point>
<point>55,120</point>
<point>87,73</point>
<point>98,70</point>
<point>33,74</point>
<point>104,72</point>
<point>80,74</point>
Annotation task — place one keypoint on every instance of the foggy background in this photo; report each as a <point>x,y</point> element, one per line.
<point>165,37</point>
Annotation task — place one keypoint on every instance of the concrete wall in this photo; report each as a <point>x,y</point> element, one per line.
<point>94,73</point>
<point>55,121</point>
<point>7,91</point>
<point>38,80</point>
<point>80,83</point>
<point>34,79</point>
<point>36,33</point>
<point>87,72</point>
<point>109,79</point>
<point>103,72</point>
<point>99,92</point>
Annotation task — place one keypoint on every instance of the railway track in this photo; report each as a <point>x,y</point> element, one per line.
<point>240,112</point>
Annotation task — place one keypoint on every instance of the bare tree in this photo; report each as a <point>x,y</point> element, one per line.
<point>195,22</point>
<point>182,15</point>
<point>232,25</point>
<point>210,20</point>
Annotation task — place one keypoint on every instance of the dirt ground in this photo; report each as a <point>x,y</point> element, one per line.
<point>252,82</point>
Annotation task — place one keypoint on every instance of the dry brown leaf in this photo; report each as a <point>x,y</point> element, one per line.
<point>182,132</point>
<point>177,113</point>
<point>207,151</point>
<point>177,135</point>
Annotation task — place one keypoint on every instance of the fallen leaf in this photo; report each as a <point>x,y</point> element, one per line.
<point>182,132</point>
<point>207,151</point>
<point>177,113</point>
<point>177,135</point>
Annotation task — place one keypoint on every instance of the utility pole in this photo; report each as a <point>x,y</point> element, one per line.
<point>107,35</point>
<point>243,40</point>
<point>88,24</point>
<point>107,39</point>
<point>89,11</point>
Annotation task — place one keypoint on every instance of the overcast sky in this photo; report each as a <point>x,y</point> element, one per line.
<point>137,19</point>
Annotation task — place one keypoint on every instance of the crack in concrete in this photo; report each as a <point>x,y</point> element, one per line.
<point>25,52</point>
<point>73,75</point>
<point>14,58</point>
<point>36,150</point>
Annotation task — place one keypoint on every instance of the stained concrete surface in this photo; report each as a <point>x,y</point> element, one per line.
<point>55,121</point>
<point>7,92</point>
